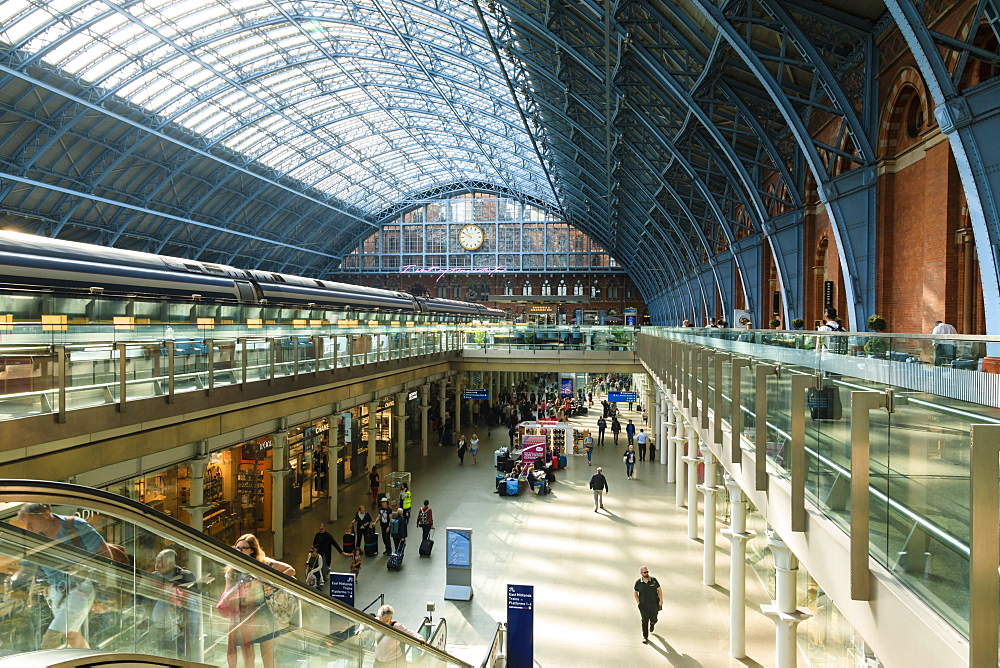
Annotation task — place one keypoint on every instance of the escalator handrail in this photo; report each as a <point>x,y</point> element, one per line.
<point>60,493</point>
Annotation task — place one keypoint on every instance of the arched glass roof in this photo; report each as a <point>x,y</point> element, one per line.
<point>364,101</point>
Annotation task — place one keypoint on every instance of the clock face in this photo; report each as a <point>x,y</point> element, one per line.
<point>471,237</point>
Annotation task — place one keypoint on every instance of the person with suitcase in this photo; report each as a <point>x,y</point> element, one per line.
<point>362,526</point>
<point>425,519</point>
<point>397,529</point>
<point>384,517</point>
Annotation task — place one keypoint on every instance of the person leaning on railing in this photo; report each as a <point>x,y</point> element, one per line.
<point>389,652</point>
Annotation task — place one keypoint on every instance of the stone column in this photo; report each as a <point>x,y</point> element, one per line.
<point>196,510</point>
<point>663,426</point>
<point>692,460</point>
<point>679,452</point>
<point>458,406</point>
<point>442,399</point>
<point>332,450</point>
<point>783,610</point>
<point>709,489</point>
<point>279,470</point>
<point>738,537</point>
<point>372,433</point>
<point>425,407</point>
<point>399,412</point>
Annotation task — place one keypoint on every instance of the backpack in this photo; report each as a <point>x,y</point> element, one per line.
<point>422,516</point>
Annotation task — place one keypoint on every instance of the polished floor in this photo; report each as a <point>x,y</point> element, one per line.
<point>582,564</point>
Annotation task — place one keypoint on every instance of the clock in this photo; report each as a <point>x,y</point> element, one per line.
<point>471,237</point>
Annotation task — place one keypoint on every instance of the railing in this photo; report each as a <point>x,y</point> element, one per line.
<point>80,370</point>
<point>549,337</point>
<point>497,648</point>
<point>222,605</point>
<point>914,478</point>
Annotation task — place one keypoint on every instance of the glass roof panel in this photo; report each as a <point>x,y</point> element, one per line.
<point>367,100</point>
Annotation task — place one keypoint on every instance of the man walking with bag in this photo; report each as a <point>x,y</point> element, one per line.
<point>649,598</point>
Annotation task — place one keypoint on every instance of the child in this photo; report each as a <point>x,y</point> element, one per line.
<point>356,563</point>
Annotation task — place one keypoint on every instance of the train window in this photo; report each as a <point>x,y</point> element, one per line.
<point>319,284</point>
<point>278,278</point>
<point>192,267</point>
<point>215,269</point>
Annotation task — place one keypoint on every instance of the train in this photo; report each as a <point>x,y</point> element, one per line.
<point>32,263</point>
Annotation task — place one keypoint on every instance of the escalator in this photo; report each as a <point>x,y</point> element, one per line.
<point>110,577</point>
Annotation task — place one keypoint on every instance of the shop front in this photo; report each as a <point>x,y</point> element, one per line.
<point>308,479</point>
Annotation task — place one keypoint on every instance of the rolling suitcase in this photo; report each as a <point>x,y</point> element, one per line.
<point>371,543</point>
<point>513,487</point>
<point>562,461</point>
<point>395,560</point>
<point>555,462</point>
<point>427,545</point>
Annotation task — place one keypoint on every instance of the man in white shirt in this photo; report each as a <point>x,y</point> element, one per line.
<point>944,350</point>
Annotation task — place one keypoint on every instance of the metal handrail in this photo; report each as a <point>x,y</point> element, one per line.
<point>58,493</point>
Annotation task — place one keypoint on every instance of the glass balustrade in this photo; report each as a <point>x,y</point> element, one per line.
<point>85,568</point>
<point>919,453</point>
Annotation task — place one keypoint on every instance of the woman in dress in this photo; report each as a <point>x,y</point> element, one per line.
<point>462,445</point>
<point>474,448</point>
<point>255,624</point>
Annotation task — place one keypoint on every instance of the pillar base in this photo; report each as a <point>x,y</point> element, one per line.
<point>991,364</point>
<point>792,618</point>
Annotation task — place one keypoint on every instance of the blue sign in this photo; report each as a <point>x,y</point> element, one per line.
<point>615,397</point>
<point>567,387</point>
<point>342,587</point>
<point>475,394</point>
<point>520,626</point>
<point>459,552</point>
<point>631,316</point>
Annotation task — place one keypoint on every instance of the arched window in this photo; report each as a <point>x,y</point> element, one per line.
<point>546,288</point>
<point>578,288</point>
<point>595,290</point>
<point>629,292</point>
<point>526,289</point>
<point>561,289</point>
<point>442,291</point>
<point>613,290</point>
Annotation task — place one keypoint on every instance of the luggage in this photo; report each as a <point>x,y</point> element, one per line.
<point>426,546</point>
<point>502,487</point>
<point>513,487</point>
<point>824,404</point>
<point>371,543</point>
<point>542,487</point>
<point>395,560</point>
<point>555,462</point>
<point>562,461</point>
<point>498,481</point>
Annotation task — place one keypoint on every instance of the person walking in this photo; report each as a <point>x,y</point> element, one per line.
<point>599,485</point>
<point>325,543</point>
<point>384,518</point>
<point>630,432</point>
<point>629,459</point>
<point>642,439</point>
<point>474,448</point>
<point>316,569</point>
<point>588,445</point>
<point>389,652</point>
<point>425,519</point>
<point>649,598</point>
<point>362,528</point>
<point>462,447</point>
<point>602,426</point>
<point>645,416</point>
<point>405,500</point>
<point>373,485</point>
<point>944,349</point>
<point>616,428</point>
<point>397,529</point>
<point>511,433</point>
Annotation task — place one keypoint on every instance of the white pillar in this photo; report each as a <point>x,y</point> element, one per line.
<point>331,471</point>
<point>458,407</point>
<point>709,489</point>
<point>692,460</point>
<point>372,433</point>
<point>196,510</point>
<point>442,400</point>
<point>425,407</point>
<point>679,452</point>
<point>783,610</point>
<point>279,469</point>
<point>663,429</point>
<point>399,412</point>
<point>738,536</point>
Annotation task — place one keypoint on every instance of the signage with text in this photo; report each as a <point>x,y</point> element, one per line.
<point>342,587</point>
<point>520,626</point>
<point>475,394</point>
<point>615,397</point>
<point>441,271</point>
<point>566,387</point>
<point>631,316</point>
<point>459,548</point>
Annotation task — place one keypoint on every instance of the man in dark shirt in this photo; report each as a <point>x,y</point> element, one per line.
<point>599,484</point>
<point>649,598</point>
<point>325,543</point>
<point>384,520</point>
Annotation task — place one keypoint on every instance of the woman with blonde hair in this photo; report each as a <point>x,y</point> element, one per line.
<point>255,623</point>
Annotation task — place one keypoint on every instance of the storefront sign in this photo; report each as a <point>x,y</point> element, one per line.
<point>346,417</point>
<point>475,394</point>
<point>520,626</point>
<point>615,397</point>
<point>342,587</point>
<point>532,448</point>
<point>441,271</point>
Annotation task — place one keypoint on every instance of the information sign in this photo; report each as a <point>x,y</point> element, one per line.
<point>567,387</point>
<point>475,394</point>
<point>342,587</point>
<point>458,571</point>
<point>621,397</point>
<point>459,548</point>
<point>520,626</point>
<point>631,316</point>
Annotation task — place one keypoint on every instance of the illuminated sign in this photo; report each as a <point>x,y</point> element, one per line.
<point>441,271</point>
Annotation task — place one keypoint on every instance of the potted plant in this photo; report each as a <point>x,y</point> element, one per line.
<point>798,323</point>
<point>876,346</point>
